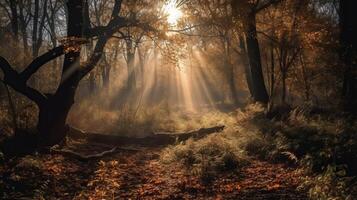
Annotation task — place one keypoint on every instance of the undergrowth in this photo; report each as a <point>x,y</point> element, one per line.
<point>323,145</point>
<point>139,121</point>
<point>208,157</point>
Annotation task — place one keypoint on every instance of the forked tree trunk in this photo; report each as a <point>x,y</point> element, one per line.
<point>54,108</point>
<point>53,113</point>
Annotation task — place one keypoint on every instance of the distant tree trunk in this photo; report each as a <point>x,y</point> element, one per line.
<point>35,29</point>
<point>272,79</point>
<point>283,88</point>
<point>130,59</point>
<point>38,38</point>
<point>245,62</point>
<point>53,112</point>
<point>231,71</point>
<point>14,18</point>
<point>142,65</point>
<point>106,73</point>
<point>156,66</point>
<point>232,85</point>
<point>131,82</point>
<point>24,33</point>
<point>53,35</point>
<point>260,93</point>
<point>92,83</point>
<point>272,72</point>
<point>305,78</point>
<point>348,40</point>
<point>105,77</point>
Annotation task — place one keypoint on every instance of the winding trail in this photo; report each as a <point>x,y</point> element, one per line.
<point>140,175</point>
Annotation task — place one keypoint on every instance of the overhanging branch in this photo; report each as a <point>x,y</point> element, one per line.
<point>36,64</point>
<point>15,80</point>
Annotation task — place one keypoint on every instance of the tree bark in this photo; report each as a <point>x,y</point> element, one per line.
<point>348,41</point>
<point>272,72</point>
<point>283,89</point>
<point>35,29</point>
<point>92,84</point>
<point>245,62</point>
<point>230,70</point>
<point>260,93</point>
<point>14,18</point>
<point>131,82</point>
<point>53,113</point>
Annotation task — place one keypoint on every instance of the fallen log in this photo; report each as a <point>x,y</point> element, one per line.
<point>155,139</point>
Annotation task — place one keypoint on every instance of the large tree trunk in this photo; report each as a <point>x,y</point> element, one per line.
<point>53,113</point>
<point>348,40</point>
<point>52,118</point>
<point>54,108</point>
<point>260,93</point>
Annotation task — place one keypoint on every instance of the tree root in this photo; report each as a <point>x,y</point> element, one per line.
<point>81,157</point>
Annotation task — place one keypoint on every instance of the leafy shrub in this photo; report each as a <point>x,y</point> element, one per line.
<point>324,143</point>
<point>206,158</point>
<point>331,184</point>
<point>27,178</point>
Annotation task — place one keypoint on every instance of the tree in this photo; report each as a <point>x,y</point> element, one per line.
<point>54,108</point>
<point>246,12</point>
<point>348,54</point>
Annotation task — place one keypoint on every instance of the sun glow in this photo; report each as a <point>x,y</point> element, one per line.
<point>173,13</point>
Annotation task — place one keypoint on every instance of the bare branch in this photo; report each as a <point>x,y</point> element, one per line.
<point>266,5</point>
<point>13,79</point>
<point>40,61</point>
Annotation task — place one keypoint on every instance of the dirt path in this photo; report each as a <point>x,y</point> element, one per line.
<point>140,175</point>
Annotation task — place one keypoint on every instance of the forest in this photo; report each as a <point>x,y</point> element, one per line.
<point>178,99</point>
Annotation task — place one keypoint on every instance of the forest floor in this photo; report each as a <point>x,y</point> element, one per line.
<point>254,157</point>
<point>140,175</point>
<point>299,156</point>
